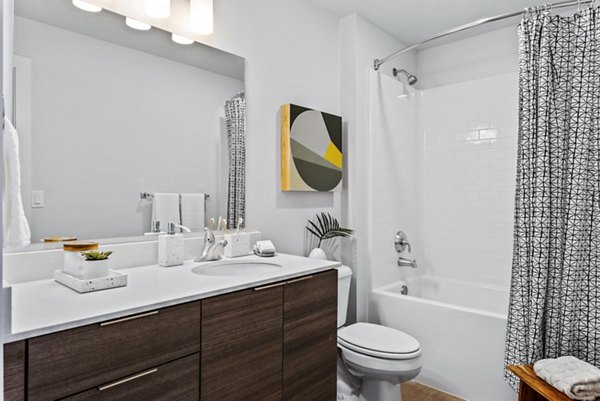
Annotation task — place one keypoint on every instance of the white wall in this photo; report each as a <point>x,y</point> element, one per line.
<point>109,122</point>
<point>392,175</point>
<point>489,54</point>
<point>362,42</point>
<point>468,121</point>
<point>467,178</point>
<point>441,164</point>
<point>292,56</point>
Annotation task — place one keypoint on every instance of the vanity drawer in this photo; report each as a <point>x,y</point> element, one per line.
<point>174,381</point>
<point>14,371</point>
<point>72,361</point>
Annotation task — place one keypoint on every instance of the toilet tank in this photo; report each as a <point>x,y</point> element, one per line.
<point>344,280</point>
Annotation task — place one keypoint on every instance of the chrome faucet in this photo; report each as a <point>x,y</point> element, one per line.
<point>211,249</point>
<point>402,245</point>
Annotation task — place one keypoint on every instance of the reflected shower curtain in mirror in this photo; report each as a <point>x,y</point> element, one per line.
<point>235,125</point>
<point>555,291</point>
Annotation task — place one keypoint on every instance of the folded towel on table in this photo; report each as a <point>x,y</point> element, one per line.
<point>577,379</point>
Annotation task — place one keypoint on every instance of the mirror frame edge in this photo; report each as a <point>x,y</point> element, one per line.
<point>4,8</point>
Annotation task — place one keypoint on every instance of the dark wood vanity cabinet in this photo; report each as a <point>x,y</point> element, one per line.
<point>242,346</point>
<point>173,381</point>
<point>76,360</point>
<point>310,338</point>
<point>276,342</point>
<point>14,371</point>
<point>271,343</point>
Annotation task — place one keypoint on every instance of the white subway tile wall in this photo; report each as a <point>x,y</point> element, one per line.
<point>442,169</point>
<point>392,172</point>
<point>467,164</point>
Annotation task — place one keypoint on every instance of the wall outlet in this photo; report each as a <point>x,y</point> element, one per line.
<point>37,199</point>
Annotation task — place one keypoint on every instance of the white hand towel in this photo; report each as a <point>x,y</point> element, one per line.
<point>16,228</point>
<point>577,379</point>
<point>165,209</point>
<point>192,211</point>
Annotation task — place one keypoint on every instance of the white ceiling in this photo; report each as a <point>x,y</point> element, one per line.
<point>411,21</point>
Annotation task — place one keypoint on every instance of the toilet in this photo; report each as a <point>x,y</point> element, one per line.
<point>372,357</point>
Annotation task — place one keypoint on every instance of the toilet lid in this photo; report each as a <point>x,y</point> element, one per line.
<point>365,337</point>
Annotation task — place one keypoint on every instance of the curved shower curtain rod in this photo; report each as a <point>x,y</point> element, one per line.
<point>563,4</point>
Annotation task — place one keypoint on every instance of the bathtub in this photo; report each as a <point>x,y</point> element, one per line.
<point>461,328</point>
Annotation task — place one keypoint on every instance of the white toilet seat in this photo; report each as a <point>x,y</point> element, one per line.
<point>378,341</point>
<point>374,367</point>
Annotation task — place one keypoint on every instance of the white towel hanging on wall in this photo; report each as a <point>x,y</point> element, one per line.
<point>16,228</point>
<point>165,209</point>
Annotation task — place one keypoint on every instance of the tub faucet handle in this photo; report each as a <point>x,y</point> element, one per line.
<point>402,243</point>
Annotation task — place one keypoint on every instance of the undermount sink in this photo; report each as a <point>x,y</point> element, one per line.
<point>235,268</point>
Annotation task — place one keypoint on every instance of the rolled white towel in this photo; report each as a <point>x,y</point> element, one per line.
<point>577,379</point>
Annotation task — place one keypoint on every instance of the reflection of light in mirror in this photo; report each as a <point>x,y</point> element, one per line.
<point>488,134</point>
<point>182,40</point>
<point>201,16</point>
<point>85,6</point>
<point>136,24</point>
<point>158,9</point>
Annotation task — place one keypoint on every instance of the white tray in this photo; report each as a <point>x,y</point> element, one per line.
<point>114,280</point>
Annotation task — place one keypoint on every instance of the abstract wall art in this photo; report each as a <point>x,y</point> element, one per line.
<point>311,150</point>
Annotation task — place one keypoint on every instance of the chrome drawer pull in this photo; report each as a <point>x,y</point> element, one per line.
<point>127,379</point>
<point>266,287</point>
<point>126,319</point>
<point>299,279</point>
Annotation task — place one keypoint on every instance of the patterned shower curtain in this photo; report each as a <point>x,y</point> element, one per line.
<point>555,291</point>
<point>235,123</point>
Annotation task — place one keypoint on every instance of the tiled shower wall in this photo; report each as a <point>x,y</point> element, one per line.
<point>442,169</point>
<point>392,172</point>
<point>466,183</point>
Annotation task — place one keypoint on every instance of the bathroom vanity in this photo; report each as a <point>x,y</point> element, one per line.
<point>272,341</point>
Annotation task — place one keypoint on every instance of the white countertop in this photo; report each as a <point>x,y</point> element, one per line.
<point>45,306</point>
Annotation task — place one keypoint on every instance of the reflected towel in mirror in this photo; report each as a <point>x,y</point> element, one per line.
<point>165,209</point>
<point>16,228</point>
<point>193,211</point>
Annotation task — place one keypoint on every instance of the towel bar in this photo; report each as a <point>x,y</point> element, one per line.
<point>149,196</point>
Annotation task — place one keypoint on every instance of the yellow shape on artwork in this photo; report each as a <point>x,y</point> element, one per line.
<point>333,155</point>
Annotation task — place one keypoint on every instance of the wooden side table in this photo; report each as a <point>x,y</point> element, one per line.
<point>533,388</point>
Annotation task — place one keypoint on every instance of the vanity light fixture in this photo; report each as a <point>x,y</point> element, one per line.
<point>85,6</point>
<point>158,9</point>
<point>201,16</point>
<point>137,24</point>
<point>182,40</point>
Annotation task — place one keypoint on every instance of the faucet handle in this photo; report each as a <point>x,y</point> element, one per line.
<point>401,242</point>
<point>209,236</point>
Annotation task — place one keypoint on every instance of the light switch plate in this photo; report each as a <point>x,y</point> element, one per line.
<point>37,199</point>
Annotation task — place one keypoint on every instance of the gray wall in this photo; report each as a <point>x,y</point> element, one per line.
<point>108,122</point>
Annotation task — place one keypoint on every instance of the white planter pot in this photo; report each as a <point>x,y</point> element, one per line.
<point>89,269</point>
<point>318,253</point>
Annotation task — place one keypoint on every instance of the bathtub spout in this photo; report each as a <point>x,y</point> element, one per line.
<point>404,262</point>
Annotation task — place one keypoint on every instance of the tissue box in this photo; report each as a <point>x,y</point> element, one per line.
<point>237,245</point>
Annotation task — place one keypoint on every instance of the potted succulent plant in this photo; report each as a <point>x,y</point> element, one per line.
<point>95,265</point>
<point>326,227</point>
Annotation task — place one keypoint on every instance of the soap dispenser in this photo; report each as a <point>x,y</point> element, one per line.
<point>170,248</point>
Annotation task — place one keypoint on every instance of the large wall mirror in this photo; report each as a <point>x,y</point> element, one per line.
<point>105,112</point>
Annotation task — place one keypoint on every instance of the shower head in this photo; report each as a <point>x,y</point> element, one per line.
<point>410,78</point>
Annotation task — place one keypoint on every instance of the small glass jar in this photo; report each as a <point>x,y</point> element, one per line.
<point>73,259</point>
